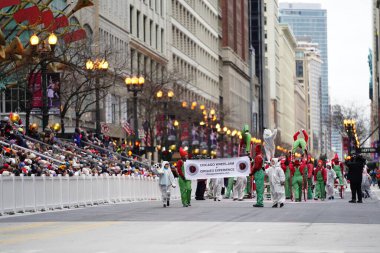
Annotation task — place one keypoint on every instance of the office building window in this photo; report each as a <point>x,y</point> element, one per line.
<point>144,28</point>
<point>131,19</point>
<point>299,68</point>
<point>138,24</point>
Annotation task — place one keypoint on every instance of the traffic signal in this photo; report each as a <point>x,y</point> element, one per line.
<point>136,148</point>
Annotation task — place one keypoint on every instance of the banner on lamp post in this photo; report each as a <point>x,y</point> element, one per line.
<point>53,92</point>
<point>35,88</point>
<point>217,168</point>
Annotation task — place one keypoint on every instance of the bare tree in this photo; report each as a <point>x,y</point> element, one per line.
<point>353,111</point>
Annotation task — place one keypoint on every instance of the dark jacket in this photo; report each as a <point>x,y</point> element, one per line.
<point>355,169</point>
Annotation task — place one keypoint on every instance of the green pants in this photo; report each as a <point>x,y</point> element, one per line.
<point>288,192</point>
<point>299,142</point>
<point>338,174</point>
<point>185,189</point>
<point>230,185</point>
<point>259,180</point>
<point>309,189</point>
<point>297,182</point>
<point>320,189</point>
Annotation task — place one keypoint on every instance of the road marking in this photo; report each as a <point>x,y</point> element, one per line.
<point>12,228</point>
<point>19,238</point>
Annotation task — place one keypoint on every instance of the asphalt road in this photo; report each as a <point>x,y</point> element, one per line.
<point>206,226</point>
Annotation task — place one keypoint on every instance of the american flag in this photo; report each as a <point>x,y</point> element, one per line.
<point>147,138</point>
<point>127,127</point>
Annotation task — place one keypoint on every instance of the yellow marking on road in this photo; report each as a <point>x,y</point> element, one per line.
<point>12,228</point>
<point>19,238</point>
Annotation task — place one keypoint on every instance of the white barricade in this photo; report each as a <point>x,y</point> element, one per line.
<point>32,193</point>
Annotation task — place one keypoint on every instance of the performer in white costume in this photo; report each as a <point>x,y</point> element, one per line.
<point>166,181</point>
<point>277,182</point>
<point>269,146</point>
<point>239,187</point>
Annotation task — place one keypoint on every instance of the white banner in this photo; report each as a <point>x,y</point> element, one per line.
<point>217,168</point>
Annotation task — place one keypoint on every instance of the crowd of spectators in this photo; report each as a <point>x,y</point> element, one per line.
<point>42,153</point>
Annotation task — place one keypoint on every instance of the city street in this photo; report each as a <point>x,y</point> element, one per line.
<point>206,226</point>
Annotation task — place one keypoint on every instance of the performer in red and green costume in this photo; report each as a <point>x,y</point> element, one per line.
<point>310,169</point>
<point>259,177</point>
<point>338,167</point>
<point>298,180</point>
<point>286,165</point>
<point>300,142</point>
<point>184,185</point>
<point>320,176</point>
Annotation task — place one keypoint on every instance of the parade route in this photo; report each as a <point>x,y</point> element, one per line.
<point>206,226</point>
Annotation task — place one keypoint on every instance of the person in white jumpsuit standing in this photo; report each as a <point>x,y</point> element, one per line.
<point>331,175</point>
<point>166,181</point>
<point>239,187</point>
<point>217,188</point>
<point>276,178</point>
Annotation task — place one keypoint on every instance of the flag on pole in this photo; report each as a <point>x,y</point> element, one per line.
<point>127,128</point>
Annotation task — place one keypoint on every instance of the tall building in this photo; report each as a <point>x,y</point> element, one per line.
<point>194,48</point>
<point>311,20</point>
<point>272,63</point>
<point>137,38</point>
<point>375,71</point>
<point>308,72</point>
<point>236,85</point>
<point>288,45</point>
<point>336,137</point>
<point>257,43</point>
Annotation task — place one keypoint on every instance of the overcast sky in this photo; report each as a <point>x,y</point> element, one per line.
<point>349,25</point>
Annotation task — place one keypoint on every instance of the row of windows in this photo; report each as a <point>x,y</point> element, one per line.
<point>197,77</point>
<point>144,28</point>
<point>204,11</point>
<point>113,43</point>
<point>186,45</point>
<point>156,5</point>
<point>196,27</point>
<point>187,70</point>
<point>141,64</point>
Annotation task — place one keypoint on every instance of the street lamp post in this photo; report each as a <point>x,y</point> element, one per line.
<point>135,85</point>
<point>97,66</point>
<point>350,127</point>
<point>45,51</point>
<point>166,98</point>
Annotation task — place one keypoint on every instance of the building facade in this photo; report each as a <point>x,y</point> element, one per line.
<point>257,45</point>
<point>374,65</point>
<point>235,75</point>
<point>272,62</point>
<point>311,20</point>
<point>308,72</point>
<point>288,45</point>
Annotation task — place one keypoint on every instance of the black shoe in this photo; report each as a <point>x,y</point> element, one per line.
<point>164,205</point>
<point>214,199</point>
<point>240,199</point>
<point>188,204</point>
<point>185,205</point>
<point>256,205</point>
<point>359,201</point>
<point>168,203</point>
<point>332,197</point>
<point>281,205</point>
<point>352,201</point>
<point>274,206</point>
